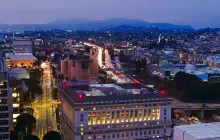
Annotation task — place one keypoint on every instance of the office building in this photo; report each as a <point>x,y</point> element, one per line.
<point>22,45</point>
<point>206,131</point>
<point>16,77</point>
<point>83,67</point>
<point>5,102</point>
<point>113,112</point>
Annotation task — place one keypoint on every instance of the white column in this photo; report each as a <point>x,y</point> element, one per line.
<point>143,111</point>
<point>129,111</point>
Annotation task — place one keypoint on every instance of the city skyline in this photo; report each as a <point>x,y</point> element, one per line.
<point>198,14</point>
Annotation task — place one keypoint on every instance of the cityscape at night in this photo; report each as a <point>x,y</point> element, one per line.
<point>114,70</point>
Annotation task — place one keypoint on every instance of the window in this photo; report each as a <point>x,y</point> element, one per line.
<point>122,134</point>
<point>131,133</point>
<point>149,132</point>
<point>113,135</point>
<point>94,137</point>
<point>140,132</point>
<point>3,108</point>
<point>165,118</point>
<point>73,63</point>
<point>136,133</point>
<point>4,129</point>
<point>164,130</point>
<point>165,111</point>
<point>3,93</point>
<point>81,117</point>
<point>118,135</point>
<point>145,132</point>
<point>4,122</point>
<point>127,134</point>
<point>158,131</point>
<point>153,131</point>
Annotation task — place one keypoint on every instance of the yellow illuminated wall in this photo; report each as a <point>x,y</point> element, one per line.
<point>120,116</point>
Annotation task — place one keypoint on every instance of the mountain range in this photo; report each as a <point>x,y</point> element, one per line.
<point>85,24</point>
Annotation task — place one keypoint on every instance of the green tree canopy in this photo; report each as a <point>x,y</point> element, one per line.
<point>52,135</point>
<point>34,81</point>
<point>194,89</point>
<point>25,123</point>
<point>31,137</point>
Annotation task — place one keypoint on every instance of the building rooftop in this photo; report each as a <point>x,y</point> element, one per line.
<point>101,94</point>
<point>20,39</point>
<point>18,73</point>
<point>20,56</point>
<point>201,131</point>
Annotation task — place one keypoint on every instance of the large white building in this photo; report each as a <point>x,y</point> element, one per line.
<point>22,45</point>
<point>113,112</point>
<point>206,131</point>
<point>5,102</point>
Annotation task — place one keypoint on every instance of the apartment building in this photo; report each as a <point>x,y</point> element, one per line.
<point>112,112</point>
<point>5,102</point>
<point>83,67</point>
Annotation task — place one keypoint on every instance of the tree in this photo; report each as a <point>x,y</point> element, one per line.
<point>13,135</point>
<point>52,135</point>
<point>34,81</point>
<point>31,137</point>
<point>55,93</point>
<point>25,124</point>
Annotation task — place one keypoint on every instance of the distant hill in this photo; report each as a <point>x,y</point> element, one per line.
<point>85,24</point>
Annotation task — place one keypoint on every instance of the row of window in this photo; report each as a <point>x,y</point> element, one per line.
<point>127,134</point>
<point>126,106</point>
<point>122,126</point>
<point>121,116</point>
<point>4,129</point>
<point>3,101</point>
<point>4,136</point>
<point>3,108</point>
<point>3,93</point>
<point>3,122</point>
<point>3,115</point>
<point>3,84</point>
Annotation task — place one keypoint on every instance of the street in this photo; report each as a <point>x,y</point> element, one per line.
<point>115,75</point>
<point>45,107</point>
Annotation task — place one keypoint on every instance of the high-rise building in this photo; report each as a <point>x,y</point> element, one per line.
<point>84,67</point>
<point>22,45</point>
<point>113,112</point>
<point>5,102</point>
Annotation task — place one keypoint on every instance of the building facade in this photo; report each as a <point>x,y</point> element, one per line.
<point>22,45</point>
<point>81,67</point>
<point>16,60</point>
<point>5,103</point>
<point>114,117</point>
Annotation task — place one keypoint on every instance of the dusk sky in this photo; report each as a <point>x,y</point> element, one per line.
<point>198,13</point>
